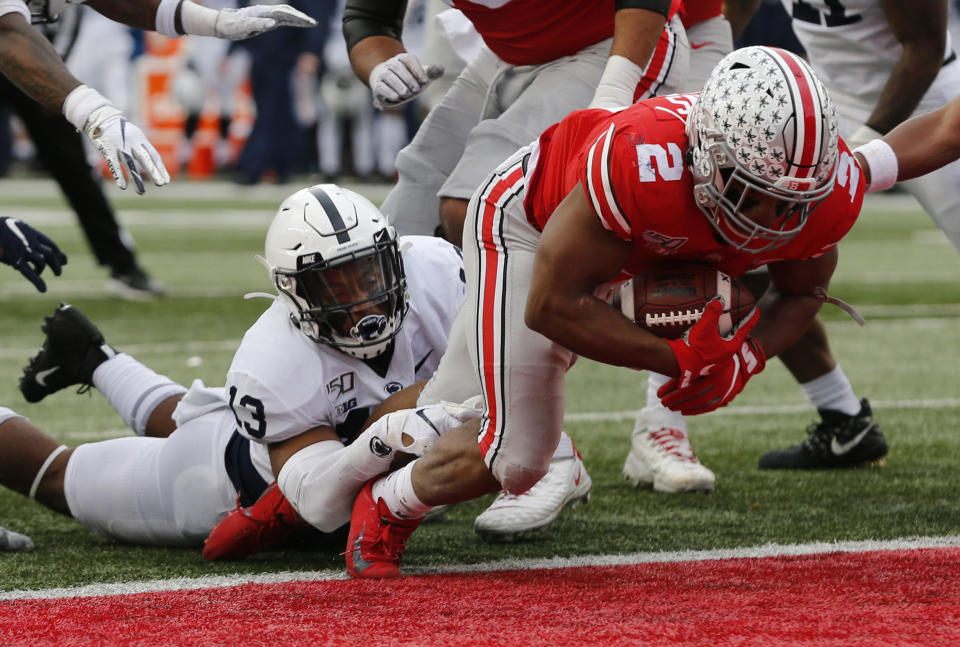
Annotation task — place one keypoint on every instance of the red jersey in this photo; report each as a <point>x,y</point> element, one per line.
<point>530,32</point>
<point>694,11</point>
<point>631,164</point>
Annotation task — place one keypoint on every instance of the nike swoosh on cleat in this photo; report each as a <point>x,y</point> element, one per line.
<point>700,45</point>
<point>839,449</point>
<point>576,481</point>
<point>359,563</point>
<point>41,376</point>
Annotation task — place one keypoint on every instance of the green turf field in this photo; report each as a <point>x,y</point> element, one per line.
<point>898,270</point>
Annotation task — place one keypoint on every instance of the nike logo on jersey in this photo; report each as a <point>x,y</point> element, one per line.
<point>41,376</point>
<point>839,449</point>
<point>701,45</point>
<point>420,363</point>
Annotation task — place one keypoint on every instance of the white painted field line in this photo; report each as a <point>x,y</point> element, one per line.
<point>746,410</point>
<point>763,551</point>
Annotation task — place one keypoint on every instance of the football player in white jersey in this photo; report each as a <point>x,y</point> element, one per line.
<point>29,60</point>
<point>359,314</point>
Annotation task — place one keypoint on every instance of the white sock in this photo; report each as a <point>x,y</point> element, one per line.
<point>133,390</point>
<point>655,413</point>
<point>396,490</point>
<point>565,448</point>
<point>832,391</point>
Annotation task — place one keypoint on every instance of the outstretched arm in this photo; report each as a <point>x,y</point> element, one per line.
<point>174,18</point>
<point>916,147</point>
<point>30,62</point>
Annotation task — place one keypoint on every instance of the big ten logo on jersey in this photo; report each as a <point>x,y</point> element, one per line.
<point>343,407</point>
<point>830,13</point>
<point>341,384</point>
<point>848,174</point>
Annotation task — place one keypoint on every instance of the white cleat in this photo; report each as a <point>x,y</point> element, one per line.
<point>662,455</point>
<point>10,540</point>
<point>515,516</point>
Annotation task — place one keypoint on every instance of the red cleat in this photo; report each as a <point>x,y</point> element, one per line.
<point>377,538</point>
<point>245,531</point>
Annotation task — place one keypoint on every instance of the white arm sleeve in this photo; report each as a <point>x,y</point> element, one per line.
<point>322,479</point>
<point>15,6</point>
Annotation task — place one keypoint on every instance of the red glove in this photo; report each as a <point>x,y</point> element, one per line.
<point>719,386</point>
<point>702,347</point>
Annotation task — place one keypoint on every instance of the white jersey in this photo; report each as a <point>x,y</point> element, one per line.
<point>281,383</point>
<point>849,43</point>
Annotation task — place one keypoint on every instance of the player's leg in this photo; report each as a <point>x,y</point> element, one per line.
<point>521,375</point>
<point>936,191</point>
<point>522,103</point>
<point>75,353</point>
<point>31,462</point>
<point>154,491</point>
<point>412,206</point>
<point>847,435</point>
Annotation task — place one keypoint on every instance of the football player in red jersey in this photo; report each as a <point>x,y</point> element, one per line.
<point>749,173</point>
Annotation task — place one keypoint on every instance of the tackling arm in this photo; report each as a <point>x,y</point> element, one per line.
<point>922,30</point>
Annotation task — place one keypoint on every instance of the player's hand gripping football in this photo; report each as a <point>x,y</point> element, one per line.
<point>399,79</point>
<point>719,386</point>
<point>702,347</point>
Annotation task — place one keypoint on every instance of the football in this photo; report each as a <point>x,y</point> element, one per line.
<point>670,298</point>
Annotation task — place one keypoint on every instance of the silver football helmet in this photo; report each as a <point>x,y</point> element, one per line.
<point>763,123</point>
<point>335,262</point>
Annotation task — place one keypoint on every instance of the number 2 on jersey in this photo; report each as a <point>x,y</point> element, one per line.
<point>252,408</point>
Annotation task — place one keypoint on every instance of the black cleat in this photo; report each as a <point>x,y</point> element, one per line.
<point>73,349</point>
<point>135,285</point>
<point>837,441</point>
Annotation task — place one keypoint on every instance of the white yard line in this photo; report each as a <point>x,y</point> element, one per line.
<point>586,561</point>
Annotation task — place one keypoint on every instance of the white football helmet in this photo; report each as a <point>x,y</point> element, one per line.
<point>764,123</point>
<point>335,262</point>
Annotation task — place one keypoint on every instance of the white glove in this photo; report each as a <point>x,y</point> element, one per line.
<point>239,24</point>
<point>399,79</point>
<point>414,431</point>
<point>122,144</point>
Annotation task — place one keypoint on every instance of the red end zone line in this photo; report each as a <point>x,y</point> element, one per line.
<point>892,597</point>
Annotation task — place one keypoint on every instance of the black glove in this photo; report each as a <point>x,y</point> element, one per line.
<point>29,251</point>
